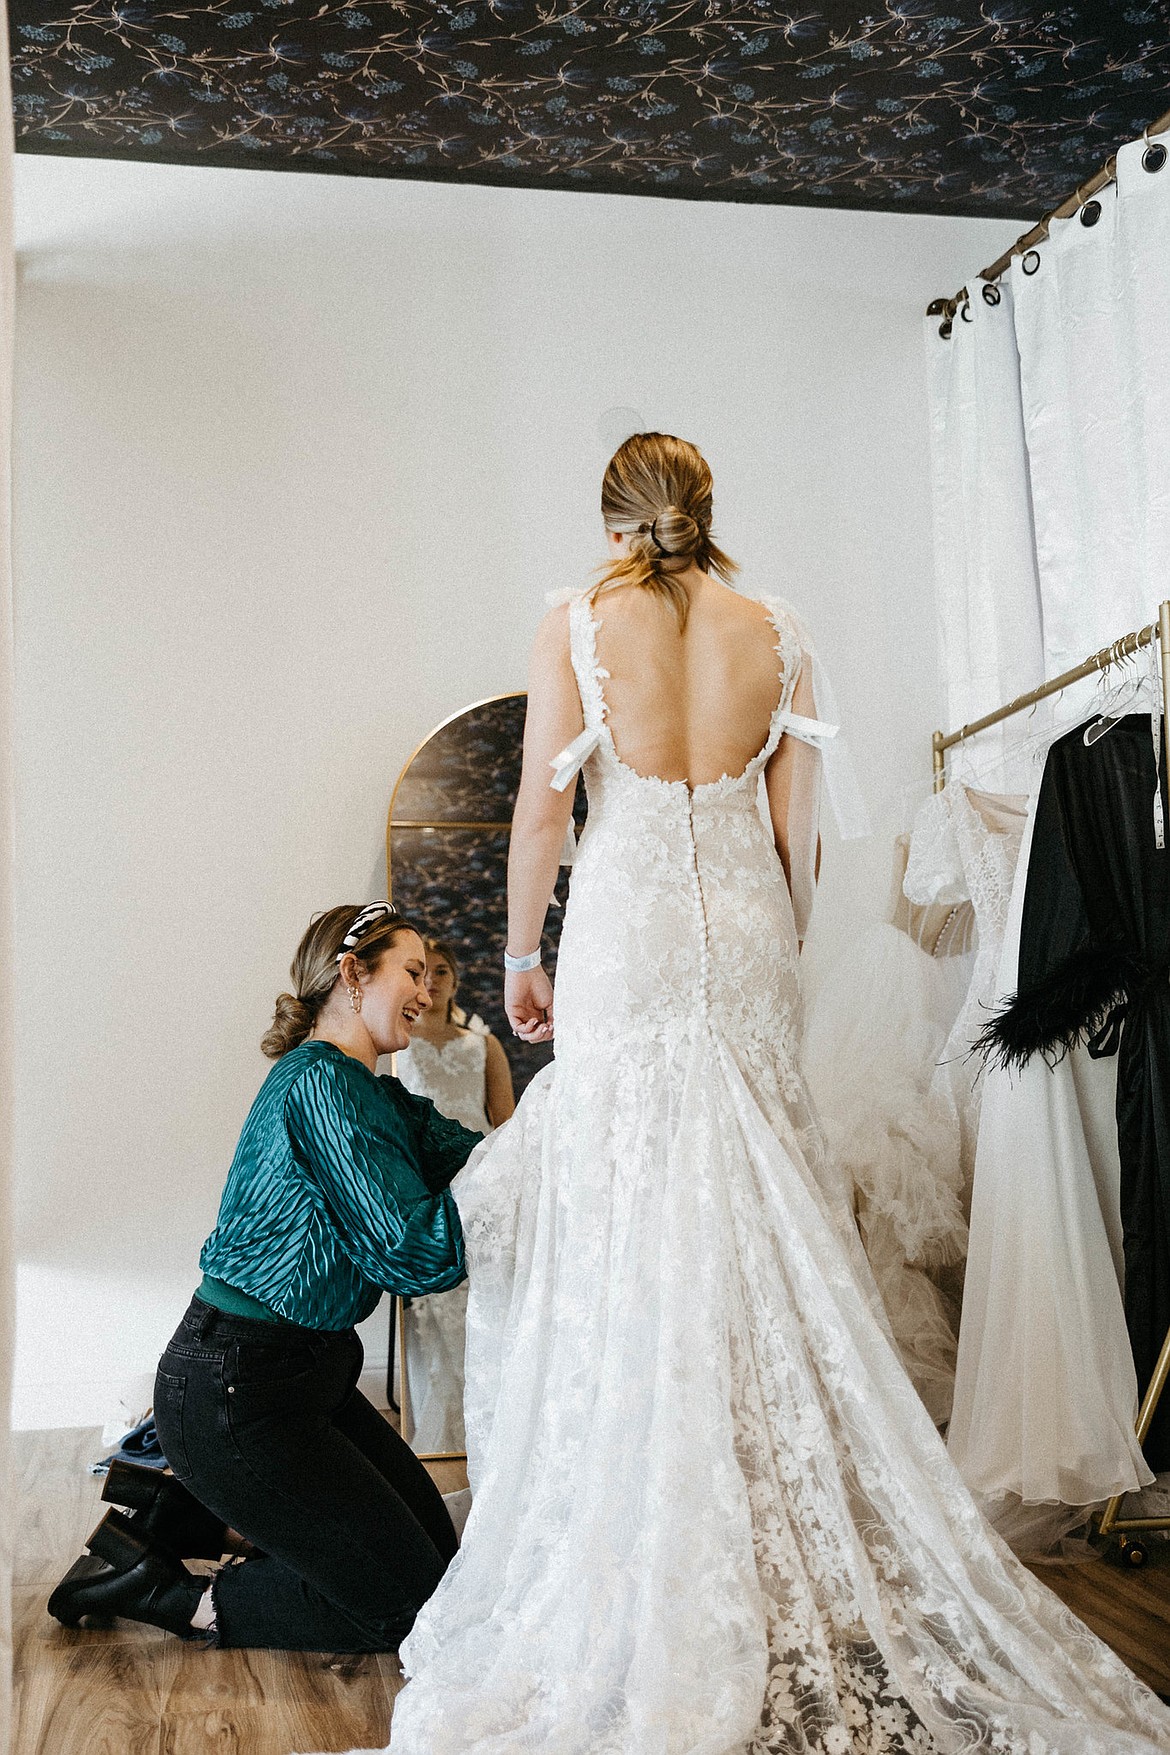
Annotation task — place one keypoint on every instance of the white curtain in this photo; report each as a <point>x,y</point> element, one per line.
<point>1050,420</point>
<point>1051,431</point>
<point>7,285</point>
<point>1095,369</point>
<point>988,591</point>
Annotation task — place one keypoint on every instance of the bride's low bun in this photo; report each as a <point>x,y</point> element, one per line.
<point>657,492</point>
<point>673,532</point>
<point>291,1023</point>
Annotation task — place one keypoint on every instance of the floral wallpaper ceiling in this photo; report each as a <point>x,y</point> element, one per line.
<point>970,107</point>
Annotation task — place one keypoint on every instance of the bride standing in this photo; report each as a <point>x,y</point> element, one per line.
<point>710,1513</point>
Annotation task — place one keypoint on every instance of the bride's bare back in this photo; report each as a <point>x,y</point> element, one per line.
<point>691,704</point>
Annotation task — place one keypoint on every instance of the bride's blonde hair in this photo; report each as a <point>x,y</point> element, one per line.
<point>657,491</point>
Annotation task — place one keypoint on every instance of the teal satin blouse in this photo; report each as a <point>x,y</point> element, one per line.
<point>338,1192</point>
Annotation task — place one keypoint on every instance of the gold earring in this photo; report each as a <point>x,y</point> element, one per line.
<point>355,998</point>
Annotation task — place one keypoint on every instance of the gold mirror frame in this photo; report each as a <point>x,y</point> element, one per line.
<point>438,822</point>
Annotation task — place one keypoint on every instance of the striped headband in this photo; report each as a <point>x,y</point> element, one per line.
<point>364,920</point>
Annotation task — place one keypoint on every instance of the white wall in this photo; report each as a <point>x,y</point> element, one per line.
<point>297,458</point>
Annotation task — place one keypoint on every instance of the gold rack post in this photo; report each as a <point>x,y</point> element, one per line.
<point>1109,1522</point>
<point>946,308</point>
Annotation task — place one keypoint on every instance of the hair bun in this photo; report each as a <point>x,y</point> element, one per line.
<point>291,1023</point>
<point>676,532</point>
<point>657,491</point>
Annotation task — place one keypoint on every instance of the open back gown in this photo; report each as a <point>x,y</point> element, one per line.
<point>710,1513</point>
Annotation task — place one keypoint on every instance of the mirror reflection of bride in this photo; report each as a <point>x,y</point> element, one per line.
<point>710,1511</point>
<point>453,1059</point>
<point>458,1063</point>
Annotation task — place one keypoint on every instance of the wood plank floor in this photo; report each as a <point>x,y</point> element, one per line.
<point>131,1690</point>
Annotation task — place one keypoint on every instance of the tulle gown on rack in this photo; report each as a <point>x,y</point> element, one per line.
<point>710,1513</point>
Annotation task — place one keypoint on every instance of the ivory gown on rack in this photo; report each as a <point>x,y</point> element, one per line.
<point>711,1514</point>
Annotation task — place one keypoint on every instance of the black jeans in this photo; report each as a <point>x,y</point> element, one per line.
<point>264,1423</point>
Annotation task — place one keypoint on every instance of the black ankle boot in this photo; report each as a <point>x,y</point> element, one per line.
<point>166,1514</point>
<point>122,1576</point>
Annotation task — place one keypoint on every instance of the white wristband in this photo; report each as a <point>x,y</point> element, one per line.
<point>521,965</point>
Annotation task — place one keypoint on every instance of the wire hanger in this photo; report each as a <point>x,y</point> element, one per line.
<point>1134,682</point>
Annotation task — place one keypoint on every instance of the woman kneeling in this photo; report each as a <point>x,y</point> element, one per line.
<point>338,1191</point>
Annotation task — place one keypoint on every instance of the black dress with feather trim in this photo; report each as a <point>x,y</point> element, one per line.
<point>1095,968</point>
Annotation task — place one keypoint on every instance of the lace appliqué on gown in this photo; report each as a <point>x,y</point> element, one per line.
<point>711,1515</point>
<point>452,1075</point>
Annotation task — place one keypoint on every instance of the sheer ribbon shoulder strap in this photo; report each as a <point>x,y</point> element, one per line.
<point>821,753</point>
<point>822,732</point>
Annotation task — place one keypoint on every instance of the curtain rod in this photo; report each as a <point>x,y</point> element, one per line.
<point>942,741</point>
<point>946,308</point>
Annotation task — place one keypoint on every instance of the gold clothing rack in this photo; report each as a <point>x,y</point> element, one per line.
<point>942,741</point>
<point>1109,1522</point>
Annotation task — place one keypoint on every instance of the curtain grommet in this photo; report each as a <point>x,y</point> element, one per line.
<point>1030,261</point>
<point>1154,157</point>
<point>965,311</point>
<point>991,294</point>
<point>1090,213</point>
<point>945,328</point>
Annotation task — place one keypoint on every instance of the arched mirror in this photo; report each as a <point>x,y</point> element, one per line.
<point>447,833</point>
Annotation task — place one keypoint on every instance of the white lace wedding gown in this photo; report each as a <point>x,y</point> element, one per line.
<point>711,1514</point>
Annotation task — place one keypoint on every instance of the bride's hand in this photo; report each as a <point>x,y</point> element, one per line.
<point>528,1001</point>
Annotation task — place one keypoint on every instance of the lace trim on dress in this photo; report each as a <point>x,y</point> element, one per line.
<point>584,627</point>
<point>475,1039</point>
<point>583,631</point>
<point>934,868</point>
<point>789,649</point>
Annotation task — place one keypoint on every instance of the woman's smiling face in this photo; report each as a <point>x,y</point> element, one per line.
<point>396,993</point>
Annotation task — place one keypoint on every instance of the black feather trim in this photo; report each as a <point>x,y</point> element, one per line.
<point>1068,1007</point>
